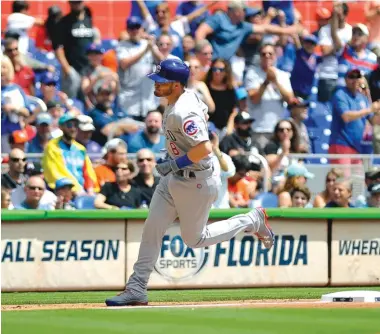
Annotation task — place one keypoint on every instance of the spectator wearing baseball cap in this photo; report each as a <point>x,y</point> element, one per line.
<point>65,157</point>
<point>55,109</point>
<point>351,111</point>
<point>19,139</point>
<point>298,108</point>
<point>322,16</point>
<point>372,176</point>
<point>85,131</point>
<point>64,193</point>
<point>373,201</point>
<point>44,133</point>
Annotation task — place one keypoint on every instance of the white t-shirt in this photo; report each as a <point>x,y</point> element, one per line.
<point>328,69</point>
<point>22,23</point>
<point>48,199</point>
<point>223,201</point>
<point>271,107</point>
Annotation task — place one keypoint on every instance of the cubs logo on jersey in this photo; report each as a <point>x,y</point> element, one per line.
<point>190,128</point>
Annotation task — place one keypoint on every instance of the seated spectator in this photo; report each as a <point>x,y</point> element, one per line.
<point>106,120</point>
<point>342,195</point>
<point>6,203</point>
<point>48,31</point>
<point>351,111</point>
<point>284,142</point>
<point>188,45</point>
<point>326,195</point>
<point>298,114</point>
<point>300,196</point>
<point>238,186</point>
<point>24,75</point>
<point>34,190</point>
<point>240,141</point>
<point>268,87</point>
<point>56,111</point>
<point>305,66</point>
<point>372,176</point>
<point>296,175</point>
<point>373,200</point>
<point>85,130</point>
<point>15,176</point>
<point>63,190</point>
<point>115,152</point>
<point>203,52</point>
<point>65,157</point>
<point>145,180</point>
<point>219,81</point>
<point>150,137</point>
<point>48,199</point>
<point>44,133</point>
<point>120,194</point>
<point>197,86</point>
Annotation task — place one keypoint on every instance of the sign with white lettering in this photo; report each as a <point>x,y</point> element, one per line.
<point>355,252</point>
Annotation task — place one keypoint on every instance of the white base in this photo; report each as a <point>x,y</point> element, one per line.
<point>352,296</point>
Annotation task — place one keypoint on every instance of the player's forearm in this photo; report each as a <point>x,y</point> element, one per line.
<point>222,162</point>
<point>199,152</point>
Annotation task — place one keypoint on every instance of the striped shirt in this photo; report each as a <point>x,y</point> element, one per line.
<point>349,60</point>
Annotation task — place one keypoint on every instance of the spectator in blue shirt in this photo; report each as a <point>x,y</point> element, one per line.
<point>227,31</point>
<point>150,137</point>
<point>43,126</point>
<point>305,66</point>
<point>186,8</point>
<point>351,111</point>
<point>285,5</point>
<point>85,130</point>
<point>342,195</point>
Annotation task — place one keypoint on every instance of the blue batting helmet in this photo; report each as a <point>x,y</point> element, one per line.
<point>171,70</point>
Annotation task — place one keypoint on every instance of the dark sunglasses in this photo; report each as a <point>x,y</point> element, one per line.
<point>36,188</point>
<point>354,76</point>
<point>11,50</point>
<point>330,180</point>
<point>162,11</point>
<point>134,27</point>
<point>18,159</point>
<point>264,54</point>
<point>71,124</point>
<point>284,129</point>
<point>218,69</point>
<point>143,159</point>
<point>50,84</point>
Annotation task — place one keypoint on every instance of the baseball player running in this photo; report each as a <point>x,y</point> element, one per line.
<point>188,186</point>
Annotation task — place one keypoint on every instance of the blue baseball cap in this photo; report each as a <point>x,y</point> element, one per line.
<point>44,118</point>
<point>49,78</point>
<point>67,117</point>
<point>251,11</point>
<point>171,70</point>
<point>94,48</point>
<point>134,22</point>
<point>311,38</point>
<point>299,170</point>
<point>64,182</point>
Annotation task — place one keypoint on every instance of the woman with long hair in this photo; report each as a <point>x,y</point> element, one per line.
<point>219,81</point>
<point>326,195</point>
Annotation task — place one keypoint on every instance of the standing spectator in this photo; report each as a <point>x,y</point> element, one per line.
<point>204,53</point>
<point>197,86</point>
<point>115,152</point>
<point>286,6</point>
<point>342,195</point>
<point>34,190</point>
<point>6,203</point>
<point>326,195</point>
<point>356,54</point>
<point>188,45</point>
<point>85,130</point>
<point>238,186</point>
<point>64,192</point>
<point>121,194</point>
<point>372,14</point>
<point>267,88</point>
<point>328,70</point>
<point>305,66</point>
<point>145,180</point>
<point>48,31</point>
<point>219,81</point>
<point>75,33</point>
<point>351,110</point>
<point>150,137</point>
<point>188,7</point>
<point>240,141</point>
<point>15,176</point>
<point>24,75</point>
<point>44,133</point>
<point>65,157</point>
<point>322,17</point>
<point>227,31</point>
<point>106,117</point>
<point>136,58</point>
<point>299,112</point>
<point>300,196</point>
<point>165,47</point>
<point>56,111</point>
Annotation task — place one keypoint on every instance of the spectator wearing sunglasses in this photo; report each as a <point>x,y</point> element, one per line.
<point>65,157</point>
<point>351,111</point>
<point>120,194</point>
<point>15,177</point>
<point>145,180</point>
<point>34,190</point>
<point>204,53</point>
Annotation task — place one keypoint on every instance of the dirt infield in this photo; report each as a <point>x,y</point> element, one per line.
<point>271,303</point>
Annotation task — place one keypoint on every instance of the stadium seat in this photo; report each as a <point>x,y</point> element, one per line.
<point>85,202</point>
<point>265,200</point>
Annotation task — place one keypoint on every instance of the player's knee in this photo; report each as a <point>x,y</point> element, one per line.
<point>193,241</point>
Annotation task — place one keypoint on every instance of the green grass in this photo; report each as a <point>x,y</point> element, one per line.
<point>194,321</point>
<point>20,298</point>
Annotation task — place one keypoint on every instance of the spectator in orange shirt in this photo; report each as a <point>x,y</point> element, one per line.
<point>238,186</point>
<point>115,152</point>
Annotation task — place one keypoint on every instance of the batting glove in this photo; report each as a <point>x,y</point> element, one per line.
<point>164,167</point>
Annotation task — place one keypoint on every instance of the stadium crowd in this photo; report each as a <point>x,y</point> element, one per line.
<point>85,108</point>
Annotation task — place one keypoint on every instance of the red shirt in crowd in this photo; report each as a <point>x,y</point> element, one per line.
<point>24,77</point>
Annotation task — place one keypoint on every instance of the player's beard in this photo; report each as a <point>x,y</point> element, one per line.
<point>164,92</point>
